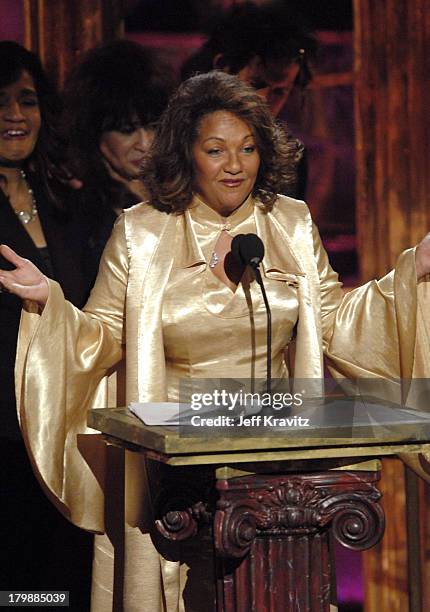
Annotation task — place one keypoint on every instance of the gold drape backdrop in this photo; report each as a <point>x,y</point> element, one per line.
<point>392,93</point>
<point>61,30</point>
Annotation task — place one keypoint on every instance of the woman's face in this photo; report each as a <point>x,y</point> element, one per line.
<point>124,150</point>
<point>19,120</point>
<point>226,161</point>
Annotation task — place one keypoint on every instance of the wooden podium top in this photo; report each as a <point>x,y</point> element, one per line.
<point>341,446</point>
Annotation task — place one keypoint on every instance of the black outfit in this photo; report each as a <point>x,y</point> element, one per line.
<point>39,548</point>
<point>96,218</point>
<point>99,229</point>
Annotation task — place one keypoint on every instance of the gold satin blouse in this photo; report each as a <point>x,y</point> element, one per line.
<point>209,331</point>
<point>156,295</point>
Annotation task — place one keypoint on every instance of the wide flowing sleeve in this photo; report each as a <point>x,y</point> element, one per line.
<point>381,331</point>
<point>62,356</point>
<point>371,332</point>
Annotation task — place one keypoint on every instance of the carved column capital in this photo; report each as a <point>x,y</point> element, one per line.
<point>295,505</point>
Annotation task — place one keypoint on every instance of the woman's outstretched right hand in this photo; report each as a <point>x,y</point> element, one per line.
<point>26,281</point>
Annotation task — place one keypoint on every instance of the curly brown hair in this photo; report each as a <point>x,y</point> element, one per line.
<point>169,170</point>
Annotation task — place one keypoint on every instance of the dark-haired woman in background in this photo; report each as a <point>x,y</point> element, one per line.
<point>112,101</point>
<point>33,535</point>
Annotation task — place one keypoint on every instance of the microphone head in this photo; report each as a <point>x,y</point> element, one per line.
<point>248,249</point>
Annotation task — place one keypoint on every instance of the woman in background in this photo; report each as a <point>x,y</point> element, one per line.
<point>37,544</point>
<point>113,100</point>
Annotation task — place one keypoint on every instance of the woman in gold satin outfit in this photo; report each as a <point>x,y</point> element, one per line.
<point>167,292</point>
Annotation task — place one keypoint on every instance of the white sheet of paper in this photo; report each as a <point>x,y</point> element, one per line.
<point>158,413</point>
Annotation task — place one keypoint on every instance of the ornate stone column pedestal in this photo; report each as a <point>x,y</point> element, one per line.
<point>268,507</point>
<point>271,534</point>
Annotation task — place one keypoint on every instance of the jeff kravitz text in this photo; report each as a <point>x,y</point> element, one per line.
<point>256,420</point>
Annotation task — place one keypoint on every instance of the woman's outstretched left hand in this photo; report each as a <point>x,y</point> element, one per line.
<point>26,281</point>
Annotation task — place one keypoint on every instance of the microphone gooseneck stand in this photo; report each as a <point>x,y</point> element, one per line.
<point>248,249</point>
<point>259,280</point>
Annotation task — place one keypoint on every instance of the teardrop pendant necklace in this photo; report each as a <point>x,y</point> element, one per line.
<point>27,216</point>
<point>215,258</point>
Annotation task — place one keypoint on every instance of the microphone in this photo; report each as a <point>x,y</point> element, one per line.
<point>248,249</point>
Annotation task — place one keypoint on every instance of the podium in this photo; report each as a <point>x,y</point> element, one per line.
<point>272,504</point>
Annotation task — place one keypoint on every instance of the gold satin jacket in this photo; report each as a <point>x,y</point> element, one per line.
<point>64,353</point>
<point>133,273</point>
